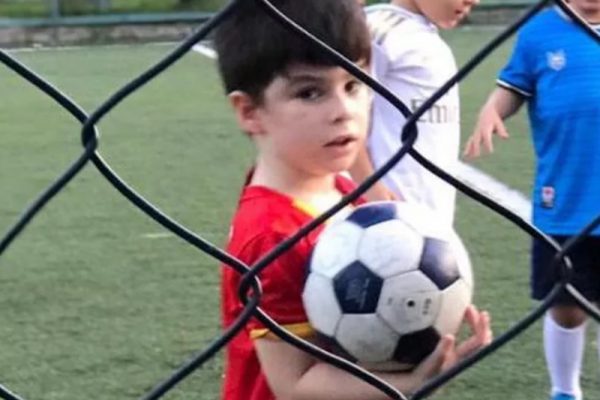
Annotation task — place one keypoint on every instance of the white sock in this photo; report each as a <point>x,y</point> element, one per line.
<point>564,352</point>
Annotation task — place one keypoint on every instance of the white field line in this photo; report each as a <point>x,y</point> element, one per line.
<point>157,235</point>
<point>38,48</point>
<point>503,194</point>
<point>205,51</point>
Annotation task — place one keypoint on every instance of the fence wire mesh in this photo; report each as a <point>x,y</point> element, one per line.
<point>250,282</point>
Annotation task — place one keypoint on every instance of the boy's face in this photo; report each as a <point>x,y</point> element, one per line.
<point>312,119</point>
<point>589,9</point>
<point>446,14</point>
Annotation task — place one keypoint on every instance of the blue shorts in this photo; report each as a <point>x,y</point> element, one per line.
<point>586,269</point>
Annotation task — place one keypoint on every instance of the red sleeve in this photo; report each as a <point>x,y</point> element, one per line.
<point>282,282</point>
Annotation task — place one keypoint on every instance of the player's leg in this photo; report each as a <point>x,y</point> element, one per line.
<point>564,325</point>
<point>595,241</point>
<point>564,339</point>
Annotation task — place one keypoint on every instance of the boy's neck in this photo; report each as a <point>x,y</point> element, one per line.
<point>409,5</point>
<point>299,185</point>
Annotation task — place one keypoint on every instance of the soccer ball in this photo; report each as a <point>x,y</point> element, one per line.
<point>384,284</point>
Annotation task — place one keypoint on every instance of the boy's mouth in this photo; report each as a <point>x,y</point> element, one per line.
<point>341,141</point>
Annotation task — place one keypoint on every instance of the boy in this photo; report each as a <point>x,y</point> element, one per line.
<point>307,118</point>
<point>558,78</point>
<point>413,70</point>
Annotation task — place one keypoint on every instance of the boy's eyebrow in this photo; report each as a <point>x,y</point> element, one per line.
<point>299,76</point>
<point>362,64</point>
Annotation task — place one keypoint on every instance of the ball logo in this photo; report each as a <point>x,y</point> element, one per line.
<point>556,59</point>
<point>357,292</point>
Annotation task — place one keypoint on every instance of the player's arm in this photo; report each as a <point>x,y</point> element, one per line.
<point>362,169</point>
<point>501,104</point>
<point>294,375</point>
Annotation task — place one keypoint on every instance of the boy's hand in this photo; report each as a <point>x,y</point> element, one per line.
<point>447,353</point>
<point>379,192</point>
<point>437,361</point>
<point>481,335</point>
<point>489,123</point>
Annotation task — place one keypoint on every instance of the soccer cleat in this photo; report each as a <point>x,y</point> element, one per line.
<point>562,396</point>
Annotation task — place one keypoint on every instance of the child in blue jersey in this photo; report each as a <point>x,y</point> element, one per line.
<point>555,68</point>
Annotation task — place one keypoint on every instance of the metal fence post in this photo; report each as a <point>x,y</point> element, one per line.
<point>103,5</point>
<point>54,6</point>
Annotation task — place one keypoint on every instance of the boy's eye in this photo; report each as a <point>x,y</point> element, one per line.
<point>354,85</point>
<point>311,93</point>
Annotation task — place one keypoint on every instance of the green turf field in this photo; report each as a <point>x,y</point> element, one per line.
<point>42,8</point>
<point>97,302</point>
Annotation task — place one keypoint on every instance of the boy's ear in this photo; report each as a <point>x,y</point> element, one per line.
<point>246,112</point>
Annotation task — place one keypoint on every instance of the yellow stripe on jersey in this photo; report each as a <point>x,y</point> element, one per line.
<point>382,22</point>
<point>307,208</point>
<point>314,212</point>
<point>303,330</point>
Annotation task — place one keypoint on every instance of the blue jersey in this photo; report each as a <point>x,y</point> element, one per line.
<point>555,65</point>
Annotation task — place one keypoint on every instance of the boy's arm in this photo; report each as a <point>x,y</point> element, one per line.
<point>295,375</point>
<point>501,104</point>
<point>362,169</point>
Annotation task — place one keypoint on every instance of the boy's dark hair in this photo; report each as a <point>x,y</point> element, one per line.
<point>254,48</point>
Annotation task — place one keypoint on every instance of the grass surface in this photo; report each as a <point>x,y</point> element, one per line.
<point>98,302</point>
<point>42,8</point>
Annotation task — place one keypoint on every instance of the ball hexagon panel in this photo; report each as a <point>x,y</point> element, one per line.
<point>366,337</point>
<point>373,213</point>
<point>327,257</point>
<point>419,217</point>
<point>414,347</point>
<point>439,263</point>
<point>357,289</point>
<point>455,300</point>
<point>321,304</point>
<point>409,302</point>
<point>390,248</point>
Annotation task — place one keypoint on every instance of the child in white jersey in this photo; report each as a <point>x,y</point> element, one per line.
<point>413,70</point>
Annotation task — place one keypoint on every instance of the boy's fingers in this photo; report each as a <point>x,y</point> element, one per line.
<point>485,330</point>
<point>434,363</point>
<point>501,130</point>
<point>471,316</point>
<point>472,147</point>
<point>488,140</point>
<point>481,328</point>
<point>447,343</point>
<point>467,150</point>
<point>481,333</point>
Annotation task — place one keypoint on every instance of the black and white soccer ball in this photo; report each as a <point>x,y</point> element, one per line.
<point>385,283</point>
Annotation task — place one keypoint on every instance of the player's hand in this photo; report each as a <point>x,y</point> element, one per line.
<point>379,192</point>
<point>489,123</point>
<point>481,336</point>
<point>447,353</point>
<point>437,361</point>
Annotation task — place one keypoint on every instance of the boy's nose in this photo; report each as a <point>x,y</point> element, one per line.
<point>342,107</point>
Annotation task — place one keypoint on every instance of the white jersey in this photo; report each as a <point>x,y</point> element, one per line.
<point>412,61</point>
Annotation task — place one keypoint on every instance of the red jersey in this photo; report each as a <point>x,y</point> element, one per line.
<point>264,219</point>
